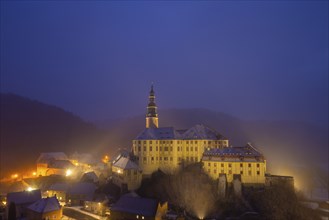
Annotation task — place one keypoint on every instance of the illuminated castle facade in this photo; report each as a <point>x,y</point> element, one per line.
<point>169,149</point>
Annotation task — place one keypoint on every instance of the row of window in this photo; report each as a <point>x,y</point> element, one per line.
<point>180,142</point>
<point>188,159</point>
<point>230,172</point>
<point>230,165</point>
<point>179,148</point>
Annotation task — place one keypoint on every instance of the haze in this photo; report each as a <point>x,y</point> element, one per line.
<point>253,60</point>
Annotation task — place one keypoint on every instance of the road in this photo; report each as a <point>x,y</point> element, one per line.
<point>73,214</point>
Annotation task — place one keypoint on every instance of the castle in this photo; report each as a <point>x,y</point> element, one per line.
<point>170,149</point>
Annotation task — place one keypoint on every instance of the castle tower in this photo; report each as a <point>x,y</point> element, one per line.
<point>152,120</point>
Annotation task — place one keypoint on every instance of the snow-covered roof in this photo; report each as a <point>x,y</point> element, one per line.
<point>49,156</point>
<point>125,163</point>
<point>24,197</point>
<point>89,176</point>
<point>202,132</point>
<point>196,132</point>
<point>246,153</point>
<point>136,205</point>
<point>45,205</point>
<point>158,133</point>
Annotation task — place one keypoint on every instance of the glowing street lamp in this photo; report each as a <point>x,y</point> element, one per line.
<point>14,176</point>
<point>68,172</point>
<point>30,189</point>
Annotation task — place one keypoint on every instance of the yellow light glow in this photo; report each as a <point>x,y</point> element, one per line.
<point>34,173</point>
<point>119,171</point>
<point>14,176</point>
<point>68,173</point>
<point>29,189</point>
<point>77,164</point>
<point>4,202</point>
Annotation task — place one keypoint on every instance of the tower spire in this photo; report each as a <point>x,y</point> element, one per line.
<point>152,120</point>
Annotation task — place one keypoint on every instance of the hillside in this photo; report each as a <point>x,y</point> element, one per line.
<point>30,127</point>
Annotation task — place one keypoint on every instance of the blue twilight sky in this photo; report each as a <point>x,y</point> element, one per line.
<point>251,59</point>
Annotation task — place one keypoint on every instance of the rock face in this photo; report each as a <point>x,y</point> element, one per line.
<point>237,186</point>
<point>222,184</point>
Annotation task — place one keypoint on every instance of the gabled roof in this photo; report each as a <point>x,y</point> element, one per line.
<point>227,153</point>
<point>136,205</point>
<point>24,197</point>
<point>196,132</point>
<point>47,157</point>
<point>158,133</point>
<point>89,176</point>
<point>124,162</point>
<point>202,132</point>
<point>45,205</point>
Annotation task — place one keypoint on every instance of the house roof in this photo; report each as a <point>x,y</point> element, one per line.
<point>136,205</point>
<point>247,153</point>
<point>24,197</point>
<point>89,176</point>
<point>124,162</point>
<point>45,205</point>
<point>198,131</point>
<point>49,156</point>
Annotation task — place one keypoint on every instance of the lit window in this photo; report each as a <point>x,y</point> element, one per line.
<point>258,165</point>
<point>258,172</point>
<point>249,164</point>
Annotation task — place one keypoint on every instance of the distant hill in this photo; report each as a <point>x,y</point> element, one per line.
<point>284,143</point>
<point>30,127</point>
